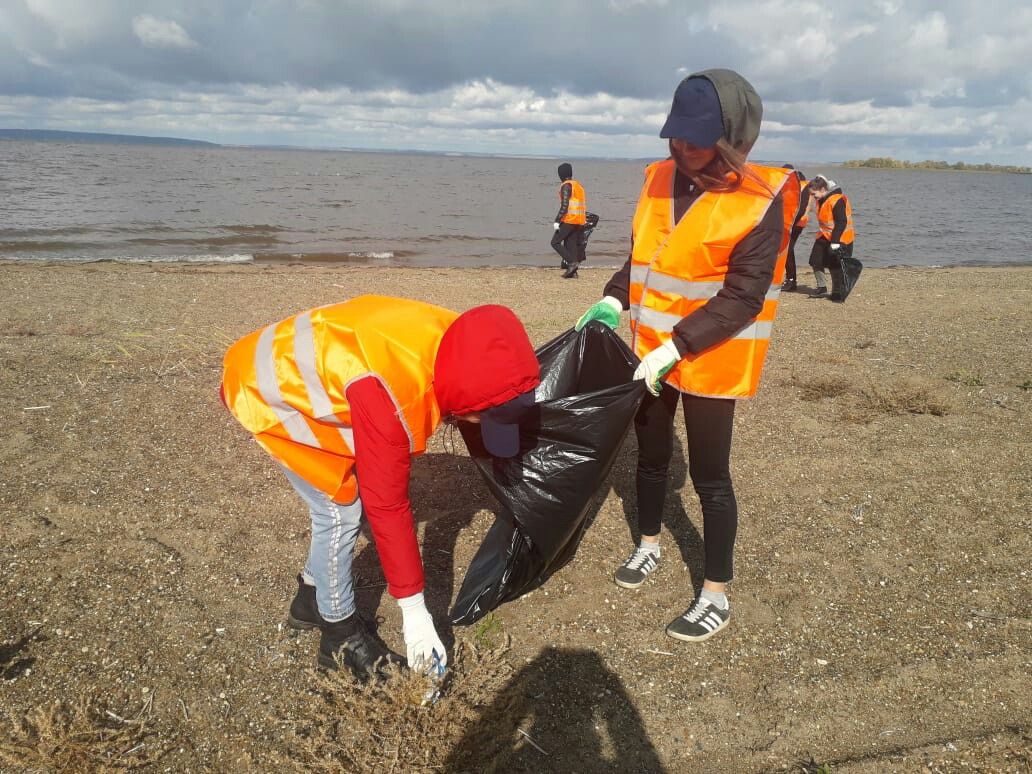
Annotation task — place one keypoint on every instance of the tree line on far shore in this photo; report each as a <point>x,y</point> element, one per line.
<point>882,162</point>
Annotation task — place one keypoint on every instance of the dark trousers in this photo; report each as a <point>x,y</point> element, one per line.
<point>790,267</point>
<point>564,242</point>
<point>709,423</point>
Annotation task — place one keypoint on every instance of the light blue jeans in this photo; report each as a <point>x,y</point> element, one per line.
<point>332,550</point>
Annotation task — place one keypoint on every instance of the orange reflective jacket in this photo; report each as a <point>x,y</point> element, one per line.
<point>826,219</point>
<point>804,216</point>
<point>287,382</point>
<point>577,209</point>
<point>677,269</point>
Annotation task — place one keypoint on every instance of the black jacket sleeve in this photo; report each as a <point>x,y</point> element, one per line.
<point>619,285</point>
<point>749,276</point>
<point>839,213</point>
<point>564,200</point>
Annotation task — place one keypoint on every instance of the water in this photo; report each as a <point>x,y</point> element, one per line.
<point>81,202</point>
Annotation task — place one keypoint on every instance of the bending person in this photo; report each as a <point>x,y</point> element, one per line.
<point>709,241</point>
<point>835,240</point>
<point>342,397</point>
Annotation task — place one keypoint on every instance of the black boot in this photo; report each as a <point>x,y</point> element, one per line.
<point>351,644</point>
<point>571,272</point>
<point>304,612</point>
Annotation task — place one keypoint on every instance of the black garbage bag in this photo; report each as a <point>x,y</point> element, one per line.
<point>590,222</point>
<point>845,271</point>
<point>585,405</point>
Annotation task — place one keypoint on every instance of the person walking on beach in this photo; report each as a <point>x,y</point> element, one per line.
<point>569,221</point>
<point>835,240</point>
<point>342,397</point>
<point>709,242</point>
<point>802,218</point>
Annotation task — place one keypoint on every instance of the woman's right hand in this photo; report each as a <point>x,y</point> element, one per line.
<point>606,311</point>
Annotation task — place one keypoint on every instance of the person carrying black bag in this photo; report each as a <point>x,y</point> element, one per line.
<point>709,242</point>
<point>569,220</point>
<point>833,247</point>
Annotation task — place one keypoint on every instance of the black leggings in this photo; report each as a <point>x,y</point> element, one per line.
<point>564,242</point>
<point>709,422</point>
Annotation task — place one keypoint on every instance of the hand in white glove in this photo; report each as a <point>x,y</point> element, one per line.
<point>835,245</point>
<point>657,364</point>
<point>425,650</point>
<point>555,226</point>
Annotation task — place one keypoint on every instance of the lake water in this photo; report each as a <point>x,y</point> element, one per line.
<point>83,202</point>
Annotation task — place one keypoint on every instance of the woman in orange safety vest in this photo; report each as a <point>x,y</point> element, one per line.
<point>802,218</point>
<point>836,237</point>
<point>342,397</point>
<point>709,241</point>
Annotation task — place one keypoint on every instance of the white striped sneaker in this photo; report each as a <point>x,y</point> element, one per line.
<point>700,621</point>
<point>632,573</point>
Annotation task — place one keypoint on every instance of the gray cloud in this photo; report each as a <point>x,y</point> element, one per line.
<point>836,76</point>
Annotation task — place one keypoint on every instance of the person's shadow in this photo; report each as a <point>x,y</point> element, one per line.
<point>565,712</point>
<point>446,492</point>
<point>675,517</point>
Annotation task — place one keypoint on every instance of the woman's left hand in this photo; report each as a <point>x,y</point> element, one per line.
<point>657,364</point>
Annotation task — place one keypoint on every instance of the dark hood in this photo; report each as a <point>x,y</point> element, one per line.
<point>740,106</point>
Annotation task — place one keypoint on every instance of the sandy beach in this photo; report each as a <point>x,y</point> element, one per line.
<point>881,601</point>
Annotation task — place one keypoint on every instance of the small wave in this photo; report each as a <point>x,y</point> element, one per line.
<point>211,242</point>
<point>203,258</point>
<point>356,257</point>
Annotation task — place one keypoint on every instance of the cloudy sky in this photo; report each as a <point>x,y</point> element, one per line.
<point>840,79</point>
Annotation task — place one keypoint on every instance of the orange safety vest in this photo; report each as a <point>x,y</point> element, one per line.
<point>677,269</point>
<point>577,209</point>
<point>804,217</point>
<point>826,219</point>
<point>287,382</point>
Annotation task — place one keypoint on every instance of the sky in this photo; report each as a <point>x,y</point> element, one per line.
<point>839,79</point>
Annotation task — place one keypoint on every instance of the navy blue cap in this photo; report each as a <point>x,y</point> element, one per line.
<point>695,114</point>
<point>500,425</point>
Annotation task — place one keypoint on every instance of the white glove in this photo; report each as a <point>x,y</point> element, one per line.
<point>555,226</point>
<point>655,365</point>
<point>835,245</point>
<point>425,650</point>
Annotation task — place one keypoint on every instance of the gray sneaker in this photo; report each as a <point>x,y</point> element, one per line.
<point>636,569</point>
<point>700,621</point>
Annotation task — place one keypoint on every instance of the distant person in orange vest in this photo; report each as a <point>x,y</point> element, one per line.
<point>569,221</point>
<point>835,240</point>
<point>709,242</point>
<point>802,218</point>
<point>342,397</point>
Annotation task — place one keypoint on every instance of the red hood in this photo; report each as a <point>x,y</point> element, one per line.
<point>485,359</point>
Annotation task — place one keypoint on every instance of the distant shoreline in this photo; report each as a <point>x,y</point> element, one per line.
<point>934,166</point>
<point>53,135</point>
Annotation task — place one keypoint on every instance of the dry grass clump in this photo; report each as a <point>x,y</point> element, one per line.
<point>822,386</point>
<point>383,727</point>
<point>75,737</point>
<point>907,396</point>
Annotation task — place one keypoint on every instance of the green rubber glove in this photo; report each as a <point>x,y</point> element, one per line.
<point>607,311</point>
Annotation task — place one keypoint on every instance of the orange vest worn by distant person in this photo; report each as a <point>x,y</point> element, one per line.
<point>677,269</point>
<point>577,209</point>
<point>826,219</point>
<point>287,382</point>
<point>804,217</point>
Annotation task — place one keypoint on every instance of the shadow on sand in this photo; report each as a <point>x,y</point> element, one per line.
<point>565,711</point>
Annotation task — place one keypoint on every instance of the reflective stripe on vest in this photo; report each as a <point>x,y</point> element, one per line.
<point>677,269</point>
<point>277,382</point>
<point>826,219</point>
<point>577,208</point>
